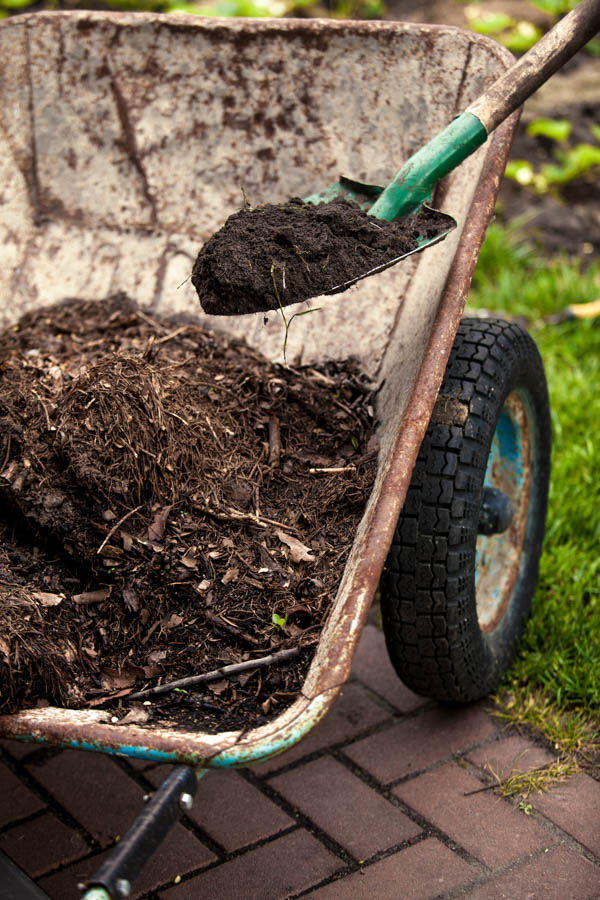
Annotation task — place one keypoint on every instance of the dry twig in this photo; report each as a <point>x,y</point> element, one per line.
<point>223,672</point>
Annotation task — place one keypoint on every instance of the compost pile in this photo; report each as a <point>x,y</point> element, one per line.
<point>171,503</point>
<point>275,255</point>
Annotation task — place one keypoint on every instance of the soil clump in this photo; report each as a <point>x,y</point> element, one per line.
<point>172,503</point>
<point>270,256</point>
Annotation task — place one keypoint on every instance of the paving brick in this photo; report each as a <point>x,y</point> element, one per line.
<point>41,845</point>
<point>354,711</point>
<point>180,853</point>
<point>417,873</point>
<point>413,744</point>
<point>16,800</point>
<point>555,875</point>
<point>287,865</point>
<point>93,789</point>
<point>575,807</point>
<point>510,755</point>
<point>372,666</point>
<point>488,827</point>
<point>230,810</point>
<point>344,807</point>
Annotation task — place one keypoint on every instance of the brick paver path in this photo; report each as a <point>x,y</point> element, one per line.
<point>382,801</point>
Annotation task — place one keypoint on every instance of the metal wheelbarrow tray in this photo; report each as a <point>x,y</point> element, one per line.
<point>124,142</point>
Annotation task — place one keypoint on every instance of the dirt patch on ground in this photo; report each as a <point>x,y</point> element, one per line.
<point>171,503</point>
<point>275,255</point>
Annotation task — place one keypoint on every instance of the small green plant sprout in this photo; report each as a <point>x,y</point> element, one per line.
<point>278,621</point>
<point>246,204</point>
<point>571,161</point>
<point>554,129</point>
<point>525,807</point>
<point>287,322</point>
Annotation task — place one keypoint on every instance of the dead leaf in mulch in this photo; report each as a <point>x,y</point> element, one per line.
<point>299,552</point>
<point>137,715</point>
<point>156,529</point>
<point>131,599</point>
<point>112,680</point>
<point>47,599</point>
<point>92,596</point>
<point>151,671</point>
<point>116,695</point>
<point>239,492</point>
<point>188,559</point>
<point>217,687</point>
<point>157,656</point>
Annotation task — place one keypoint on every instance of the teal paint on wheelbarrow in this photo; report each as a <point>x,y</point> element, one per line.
<point>505,471</point>
<point>236,755</point>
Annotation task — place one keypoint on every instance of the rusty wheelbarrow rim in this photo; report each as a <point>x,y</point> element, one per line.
<point>92,730</point>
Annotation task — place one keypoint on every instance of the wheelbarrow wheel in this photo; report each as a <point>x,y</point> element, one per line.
<point>458,581</point>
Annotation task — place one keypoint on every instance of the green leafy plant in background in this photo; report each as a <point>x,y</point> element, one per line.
<point>571,161</point>
<point>554,684</point>
<point>520,35</point>
<point>363,9</point>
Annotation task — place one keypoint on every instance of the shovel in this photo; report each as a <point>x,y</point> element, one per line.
<point>412,186</point>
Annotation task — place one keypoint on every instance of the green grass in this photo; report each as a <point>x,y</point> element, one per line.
<point>558,666</point>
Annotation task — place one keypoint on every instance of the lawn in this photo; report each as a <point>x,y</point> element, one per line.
<point>558,665</point>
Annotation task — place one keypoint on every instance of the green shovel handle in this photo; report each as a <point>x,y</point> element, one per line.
<point>418,176</point>
<point>415,180</point>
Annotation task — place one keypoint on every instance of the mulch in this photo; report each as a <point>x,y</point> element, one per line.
<point>172,503</point>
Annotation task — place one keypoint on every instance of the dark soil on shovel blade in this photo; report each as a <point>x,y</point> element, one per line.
<point>275,255</point>
<point>172,503</point>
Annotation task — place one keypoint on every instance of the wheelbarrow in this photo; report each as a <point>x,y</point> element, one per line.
<point>125,141</point>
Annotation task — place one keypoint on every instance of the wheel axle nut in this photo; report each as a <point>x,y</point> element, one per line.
<point>495,513</point>
<point>186,801</point>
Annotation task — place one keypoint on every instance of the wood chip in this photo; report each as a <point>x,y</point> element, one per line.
<point>92,596</point>
<point>47,599</point>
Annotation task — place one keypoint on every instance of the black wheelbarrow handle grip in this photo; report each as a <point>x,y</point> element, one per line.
<point>537,65</point>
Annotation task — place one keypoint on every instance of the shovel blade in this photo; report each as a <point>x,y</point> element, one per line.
<point>365,195</point>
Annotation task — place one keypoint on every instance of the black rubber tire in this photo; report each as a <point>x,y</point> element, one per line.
<point>428,589</point>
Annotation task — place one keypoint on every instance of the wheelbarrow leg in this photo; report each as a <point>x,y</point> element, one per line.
<point>114,877</point>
